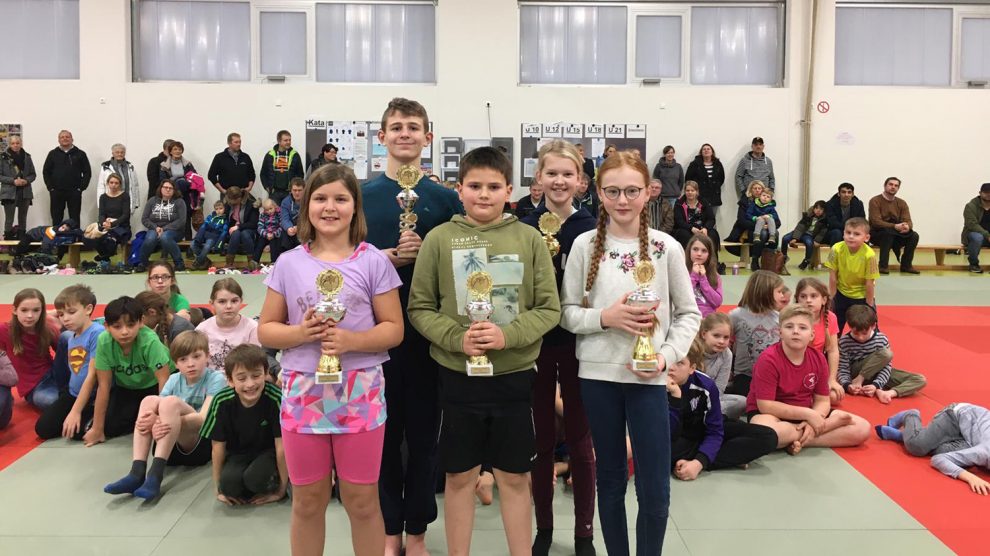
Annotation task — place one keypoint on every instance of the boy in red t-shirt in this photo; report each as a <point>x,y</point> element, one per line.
<point>789,392</point>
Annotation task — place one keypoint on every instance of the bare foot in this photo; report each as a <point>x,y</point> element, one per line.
<point>393,545</point>
<point>483,489</point>
<point>843,419</point>
<point>794,449</point>
<point>416,545</point>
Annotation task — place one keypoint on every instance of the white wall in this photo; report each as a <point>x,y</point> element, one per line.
<point>921,135</point>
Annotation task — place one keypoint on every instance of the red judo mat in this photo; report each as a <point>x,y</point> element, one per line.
<point>949,345</point>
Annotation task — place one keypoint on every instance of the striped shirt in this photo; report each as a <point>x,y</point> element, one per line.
<point>852,352</point>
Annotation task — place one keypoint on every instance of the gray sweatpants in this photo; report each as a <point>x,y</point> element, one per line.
<point>940,436</point>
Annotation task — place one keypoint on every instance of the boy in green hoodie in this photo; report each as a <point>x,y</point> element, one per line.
<point>485,419</point>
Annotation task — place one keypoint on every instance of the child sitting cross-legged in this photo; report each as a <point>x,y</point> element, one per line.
<point>864,360</point>
<point>957,437</point>
<point>789,392</point>
<point>699,437</point>
<point>243,424</point>
<point>173,419</point>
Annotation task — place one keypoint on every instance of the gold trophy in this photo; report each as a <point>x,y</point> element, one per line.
<point>644,356</point>
<point>479,308</point>
<point>550,225</point>
<point>332,309</point>
<point>408,175</point>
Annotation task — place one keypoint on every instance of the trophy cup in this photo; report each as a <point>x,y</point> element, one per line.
<point>644,356</point>
<point>332,309</point>
<point>550,225</point>
<point>408,176</point>
<point>479,308</point>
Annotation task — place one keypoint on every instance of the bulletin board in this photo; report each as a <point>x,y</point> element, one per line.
<point>453,148</point>
<point>357,145</point>
<point>6,132</point>
<point>594,137</point>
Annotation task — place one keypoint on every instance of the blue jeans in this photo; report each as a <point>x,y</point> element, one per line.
<point>169,242</point>
<point>975,242</point>
<point>833,236</point>
<point>611,408</point>
<point>201,248</point>
<point>6,405</point>
<point>806,239</point>
<point>241,241</point>
<point>56,380</point>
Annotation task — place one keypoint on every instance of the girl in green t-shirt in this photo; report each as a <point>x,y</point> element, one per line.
<point>161,280</point>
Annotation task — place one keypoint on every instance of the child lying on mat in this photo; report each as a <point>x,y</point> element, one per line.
<point>958,436</point>
<point>790,391</point>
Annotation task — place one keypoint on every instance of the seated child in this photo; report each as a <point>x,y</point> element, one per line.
<point>762,211</point>
<point>715,333</point>
<point>173,419</point>
<point>227,328</point>
<point>790,391</point>
<point>28,340</point>
<point>699,436</point>
<point>160,318</point>
<point>269,227</point>
<point>243,424</point>
<point>754,326</point>
<point>865,355</point>
<point>958,436</point>
<point>131,360</point>
<point>811,229</point>
<point>74,407</point>
<point>211,233</point>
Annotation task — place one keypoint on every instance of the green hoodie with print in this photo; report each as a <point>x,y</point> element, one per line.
<point>524,294</point>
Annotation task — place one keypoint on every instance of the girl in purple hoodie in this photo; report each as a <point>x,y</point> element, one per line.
<point>705,280</point>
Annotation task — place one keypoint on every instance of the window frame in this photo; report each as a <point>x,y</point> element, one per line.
<point>959,13</point>
<point>636,11</point>
<point>308,8</point>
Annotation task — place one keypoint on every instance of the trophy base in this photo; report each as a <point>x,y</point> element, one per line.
<point>406,254</point>
<point>480,370</point>
<point>329,378</point>
<point>644,365</point>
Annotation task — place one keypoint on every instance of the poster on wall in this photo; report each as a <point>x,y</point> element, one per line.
<point>595,137</point>
<point>6,132</point>
<point>357,145</point>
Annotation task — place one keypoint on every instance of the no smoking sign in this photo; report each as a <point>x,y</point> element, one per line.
<point>823,107</point>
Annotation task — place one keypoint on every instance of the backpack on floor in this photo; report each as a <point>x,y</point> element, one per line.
<point>134,258</point>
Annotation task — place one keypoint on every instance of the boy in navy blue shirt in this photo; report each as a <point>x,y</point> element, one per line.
<point>408,498</point>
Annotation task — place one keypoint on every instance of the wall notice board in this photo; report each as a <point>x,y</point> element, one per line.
<point>357,145</point>
<point>594,137</point>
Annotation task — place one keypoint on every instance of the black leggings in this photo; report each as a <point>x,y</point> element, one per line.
<point>742,443</point>
<point>245,475</point>
<point>49,424</point>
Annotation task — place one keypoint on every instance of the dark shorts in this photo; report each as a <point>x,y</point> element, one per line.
<point>200,454</point>
<point>469,439</point>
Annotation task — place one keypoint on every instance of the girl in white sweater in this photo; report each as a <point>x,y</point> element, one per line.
<point>597,282</point>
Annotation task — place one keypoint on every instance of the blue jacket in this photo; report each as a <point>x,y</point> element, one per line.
<point>215,227</point>
<point>697,415</point>
<point>754,210</point>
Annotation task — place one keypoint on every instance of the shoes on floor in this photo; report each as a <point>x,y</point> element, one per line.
<point>975,269</point>
<point>910,270</point>
<point>804,264</point>
<point>884,270</point>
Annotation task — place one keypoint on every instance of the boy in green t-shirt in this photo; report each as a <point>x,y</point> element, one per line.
<point>853,270</point>
<point>129,357</point>
<point>485,419</point>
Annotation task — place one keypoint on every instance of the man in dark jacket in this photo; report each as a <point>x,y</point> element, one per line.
<point>841,207</point>
<point>281,164</point>
<point>976,227</point>
<point>67,174</point>
<point>232,166</point>
<point>155,168</point>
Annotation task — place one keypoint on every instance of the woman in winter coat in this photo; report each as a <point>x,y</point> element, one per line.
<point>164,217</point>
<point>16,176</point>
<point>693,216</point>
<point>707,171</point>
<point>119,165</point>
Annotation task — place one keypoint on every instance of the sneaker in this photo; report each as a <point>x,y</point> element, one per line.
<point>910,270</point>
<point>180,266</point>
<point>884,270</point>
<point>975,269</point>
<point>804,264</point>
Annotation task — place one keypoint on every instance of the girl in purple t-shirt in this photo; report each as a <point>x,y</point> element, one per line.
<point>333,425</point>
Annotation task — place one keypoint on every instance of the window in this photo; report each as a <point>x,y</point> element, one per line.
<point>736,46</point>
<point>893,46</point>
<point>974,62</point>
<point>658,46</point>
<point>40,39</point>
<point>572,44</point>
<point>192,41</point>
<point>282,36</point>
<point>376,43</point>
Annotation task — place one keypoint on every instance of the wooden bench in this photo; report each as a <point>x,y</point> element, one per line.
<point>743,250</point>
<point>940,250</point>
<point>74,250</point>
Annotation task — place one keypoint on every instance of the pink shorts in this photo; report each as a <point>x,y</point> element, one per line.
<point>356,456</point>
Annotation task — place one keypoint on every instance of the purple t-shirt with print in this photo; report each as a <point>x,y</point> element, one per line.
<point>367,273</point>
